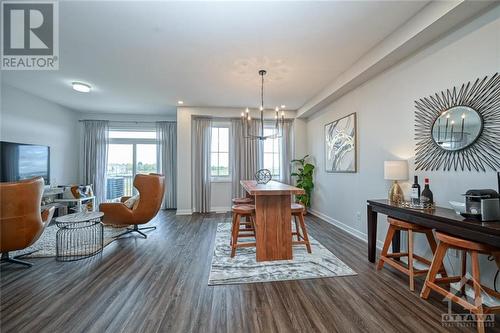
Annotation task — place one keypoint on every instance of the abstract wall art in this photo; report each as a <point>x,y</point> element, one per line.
<point>340,145</point>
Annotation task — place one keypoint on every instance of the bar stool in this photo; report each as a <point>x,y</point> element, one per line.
<point>300,226</point>
<point>410,270</point>
<point>242,201</point>
<point>239,211</point>
<point>486,300</point>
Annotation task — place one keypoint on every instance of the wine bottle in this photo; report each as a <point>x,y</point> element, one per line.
<point>415,192</point>
<point>426,197</point>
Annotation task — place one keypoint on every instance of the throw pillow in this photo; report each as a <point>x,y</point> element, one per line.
<point>132,202</point>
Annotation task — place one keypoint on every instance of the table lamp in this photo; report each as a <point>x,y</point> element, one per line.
<point>396,170</point>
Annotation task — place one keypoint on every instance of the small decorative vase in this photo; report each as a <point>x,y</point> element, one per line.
<point>396,193</point>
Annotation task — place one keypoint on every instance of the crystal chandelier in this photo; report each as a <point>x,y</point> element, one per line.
<point>246,119</point>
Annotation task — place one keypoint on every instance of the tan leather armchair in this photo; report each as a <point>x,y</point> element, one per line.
<point>151,189</point>
<point>21,222</point>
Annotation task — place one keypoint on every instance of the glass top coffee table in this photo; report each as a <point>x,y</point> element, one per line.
<point>80,235</point>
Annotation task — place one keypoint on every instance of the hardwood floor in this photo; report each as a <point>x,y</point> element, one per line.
<point>159,284</point>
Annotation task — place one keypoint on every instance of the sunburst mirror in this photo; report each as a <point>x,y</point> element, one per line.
<point>459,129</point>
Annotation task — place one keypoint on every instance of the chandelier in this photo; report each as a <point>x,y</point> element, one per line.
<point>278,122</point>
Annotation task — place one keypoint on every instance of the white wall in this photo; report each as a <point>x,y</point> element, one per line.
<point>221,192</point>
<point>26,118</point>
<point>385,111</point>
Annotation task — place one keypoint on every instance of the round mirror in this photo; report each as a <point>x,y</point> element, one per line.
<point>457,128</point>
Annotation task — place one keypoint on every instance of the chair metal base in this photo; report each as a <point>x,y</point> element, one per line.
<point>136,229</point>
<point>14,260</point>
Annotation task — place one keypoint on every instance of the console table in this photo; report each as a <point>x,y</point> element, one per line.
<point>79,202</point>
<point>441,219</point>
<point>48,200</point>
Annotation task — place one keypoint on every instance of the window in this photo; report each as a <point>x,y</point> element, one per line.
<point>120,171</point>
<point>145,158</point>
<point>129,153</point>
<point>272,151</point>
<point>219,158</point>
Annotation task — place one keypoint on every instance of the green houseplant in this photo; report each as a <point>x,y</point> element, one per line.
<point>304,176</point>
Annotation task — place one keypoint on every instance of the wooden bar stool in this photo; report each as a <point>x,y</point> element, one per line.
<point>242,201</point>
<point>485,300</point>
<point>239,211</point>
<point>300,226</point>
<point>409,269</point>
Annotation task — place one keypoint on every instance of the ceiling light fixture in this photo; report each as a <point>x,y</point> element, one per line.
<point>81,87</point>
<point>180,102</point>
<point>259,134</point>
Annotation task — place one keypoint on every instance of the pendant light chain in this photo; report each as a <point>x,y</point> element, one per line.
<point>262,91</point>
<point>246,118</point>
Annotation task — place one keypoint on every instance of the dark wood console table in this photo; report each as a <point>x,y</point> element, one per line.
<point>441,219</point>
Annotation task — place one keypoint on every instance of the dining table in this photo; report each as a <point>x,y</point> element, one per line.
<point>273,228</point>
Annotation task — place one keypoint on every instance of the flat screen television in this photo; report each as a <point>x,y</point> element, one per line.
<point>23,161</point>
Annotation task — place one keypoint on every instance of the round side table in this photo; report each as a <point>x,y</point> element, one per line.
<point>80,235</point>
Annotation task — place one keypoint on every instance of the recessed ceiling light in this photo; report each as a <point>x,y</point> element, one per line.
<point>81,87</point>
<point>180,102</point>
<point>283,106</point>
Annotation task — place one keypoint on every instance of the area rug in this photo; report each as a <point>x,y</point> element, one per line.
<point>45,246</point>
<point>243,268</point>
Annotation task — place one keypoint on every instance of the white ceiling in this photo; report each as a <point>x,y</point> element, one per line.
<point>141,57</point>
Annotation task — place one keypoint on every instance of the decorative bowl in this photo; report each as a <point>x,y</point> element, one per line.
<point>459,207</point>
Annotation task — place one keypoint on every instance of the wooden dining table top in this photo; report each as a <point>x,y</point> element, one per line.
<point>271,188</point>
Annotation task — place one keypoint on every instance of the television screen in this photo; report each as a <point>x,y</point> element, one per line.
<point>23,161</point>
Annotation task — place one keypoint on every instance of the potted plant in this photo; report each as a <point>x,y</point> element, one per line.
<point>304,176</point>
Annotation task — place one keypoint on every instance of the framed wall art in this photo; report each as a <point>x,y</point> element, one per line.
<point>341,145</point>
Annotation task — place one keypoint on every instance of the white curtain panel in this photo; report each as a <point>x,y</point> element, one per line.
<point>166,145</point>
<point>246,156</point>
<point>287,151</point>
<point>201,139</point>
<point>95,156</point>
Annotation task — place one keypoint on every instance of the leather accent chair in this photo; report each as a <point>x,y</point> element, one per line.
<point>151,190</point>
<point>21,222</point>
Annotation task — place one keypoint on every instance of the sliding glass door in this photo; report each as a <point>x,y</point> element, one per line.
<point>145,158</point>
<point>120,171</point>
<point>129,153</point>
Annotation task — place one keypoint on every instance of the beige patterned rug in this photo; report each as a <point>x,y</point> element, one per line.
<point>45,246</point>
<point>244,268</point>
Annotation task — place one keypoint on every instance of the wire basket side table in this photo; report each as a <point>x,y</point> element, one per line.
<point>80,236</point>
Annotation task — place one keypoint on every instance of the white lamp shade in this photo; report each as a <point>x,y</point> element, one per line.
<point>396,170</point>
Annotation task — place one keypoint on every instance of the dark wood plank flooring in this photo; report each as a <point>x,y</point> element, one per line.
<point>159,284</point>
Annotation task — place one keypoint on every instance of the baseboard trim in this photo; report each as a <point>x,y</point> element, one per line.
<point>356,233</point>
<point>184,212</point>
<point>220,209</point>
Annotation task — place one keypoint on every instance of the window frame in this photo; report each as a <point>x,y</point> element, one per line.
<point>134,143</point>
<point>226,178</point>
<point>279,153</point>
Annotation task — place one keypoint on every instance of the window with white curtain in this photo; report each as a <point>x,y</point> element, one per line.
<point>219,153</point>
<point>130,152</point>
<point>271,153</point>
